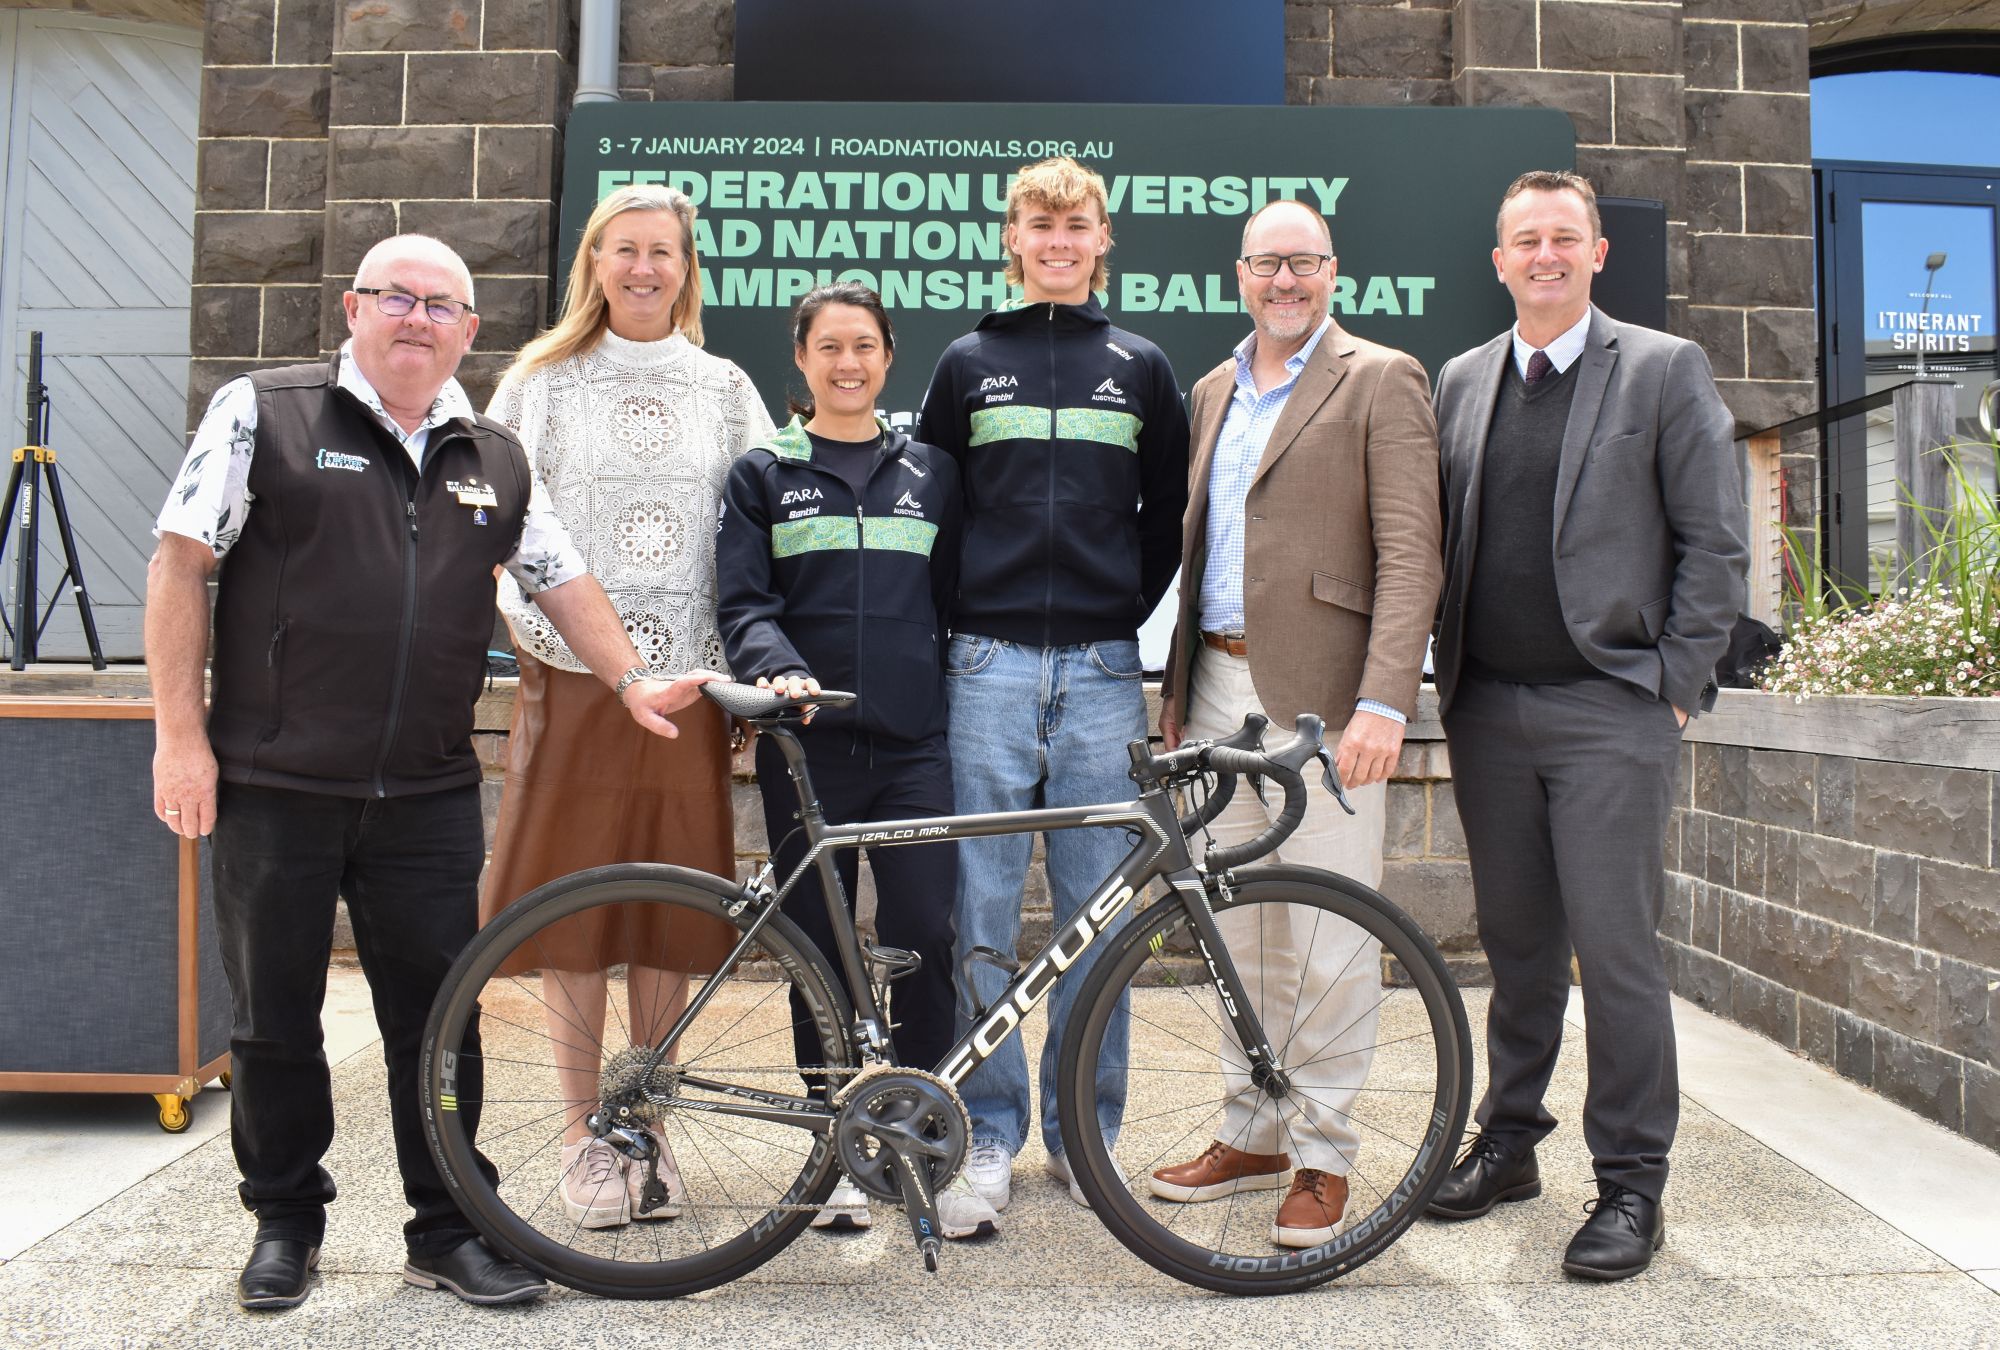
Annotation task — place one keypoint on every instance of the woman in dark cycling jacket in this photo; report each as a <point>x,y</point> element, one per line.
<point>836,561</point>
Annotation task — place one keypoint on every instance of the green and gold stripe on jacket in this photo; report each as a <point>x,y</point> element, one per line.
<point>897,534</point>
<point>1023,423</point>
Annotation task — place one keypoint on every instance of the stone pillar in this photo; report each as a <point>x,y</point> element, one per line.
<point>446,121</point>
<point>1750,204</point>
<point>1353,52</point>
<point>259,190</point>
<point>684,50</point>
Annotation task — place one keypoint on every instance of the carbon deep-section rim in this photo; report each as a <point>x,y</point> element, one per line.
<point>1389,1088</point>
<point>748,1186</point>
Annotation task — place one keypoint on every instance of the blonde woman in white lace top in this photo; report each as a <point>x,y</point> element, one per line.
<point>631,427</point>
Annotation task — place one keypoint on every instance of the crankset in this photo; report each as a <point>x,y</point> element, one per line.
<point>902,1136</point>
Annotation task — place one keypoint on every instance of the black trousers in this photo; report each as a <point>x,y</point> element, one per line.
<point>915,884</point>
<point>1564,791</point>
<point>409,869</point>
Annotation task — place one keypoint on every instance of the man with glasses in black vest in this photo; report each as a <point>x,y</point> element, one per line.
<point>363,508</point>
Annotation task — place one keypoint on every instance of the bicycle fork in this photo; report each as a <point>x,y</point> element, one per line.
<point>1265,1072</point>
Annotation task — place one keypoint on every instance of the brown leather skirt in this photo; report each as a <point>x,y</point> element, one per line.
<point>587,786</point>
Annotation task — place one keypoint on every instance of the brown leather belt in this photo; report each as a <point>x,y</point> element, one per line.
<point>1222,642</point>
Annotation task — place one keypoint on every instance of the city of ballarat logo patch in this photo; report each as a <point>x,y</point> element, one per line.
<point>334,459</point>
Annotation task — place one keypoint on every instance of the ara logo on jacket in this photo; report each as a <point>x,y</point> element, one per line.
<point>998,382</point>
<point>1108,393</point>
<point>334,459</point>
<point>797,495</point>
<point>908,505</point>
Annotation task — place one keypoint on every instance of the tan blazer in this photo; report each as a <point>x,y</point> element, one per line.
<point>1342,562</point>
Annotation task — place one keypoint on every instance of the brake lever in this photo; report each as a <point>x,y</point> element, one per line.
<point>1332,780</point>
<point>1257,786</point>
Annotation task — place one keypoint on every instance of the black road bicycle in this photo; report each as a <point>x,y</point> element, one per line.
<point>718,980</point>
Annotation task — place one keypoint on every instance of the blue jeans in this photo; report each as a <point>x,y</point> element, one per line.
<point>1039,726</point>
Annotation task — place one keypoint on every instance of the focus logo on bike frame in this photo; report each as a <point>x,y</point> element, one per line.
<point>1035,982</point>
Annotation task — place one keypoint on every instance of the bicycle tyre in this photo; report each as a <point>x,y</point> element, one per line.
<point>748,1018</point>
<point>1417,1091</point>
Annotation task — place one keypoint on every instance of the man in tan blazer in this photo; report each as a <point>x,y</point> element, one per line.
<point>1310,571</point>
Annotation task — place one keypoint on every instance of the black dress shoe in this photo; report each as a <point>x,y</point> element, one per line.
<point>278,1273</point>
<point>1619,1238</point>
<point>476,1273</point>
<point>1487,1173</point>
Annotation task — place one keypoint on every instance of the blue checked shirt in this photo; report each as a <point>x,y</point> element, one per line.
<point>1239,448</point>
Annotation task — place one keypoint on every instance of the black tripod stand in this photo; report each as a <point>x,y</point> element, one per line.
<point>24,485</point>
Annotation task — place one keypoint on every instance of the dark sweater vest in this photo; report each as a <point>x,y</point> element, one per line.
<point>353,614</point>
<point>1514,625</point>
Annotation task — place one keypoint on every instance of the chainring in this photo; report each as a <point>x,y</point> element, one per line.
<point>920,1111</point>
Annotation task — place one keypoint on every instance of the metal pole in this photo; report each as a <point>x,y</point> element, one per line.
<point>597,52</point>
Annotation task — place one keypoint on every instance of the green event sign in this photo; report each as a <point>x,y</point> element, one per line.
<point>909,199</point>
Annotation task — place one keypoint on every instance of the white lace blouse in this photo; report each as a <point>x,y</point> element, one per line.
<point>633,441</point>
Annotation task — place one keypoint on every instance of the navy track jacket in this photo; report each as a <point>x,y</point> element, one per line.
<point>856,593</point>
<point>1073,443</point>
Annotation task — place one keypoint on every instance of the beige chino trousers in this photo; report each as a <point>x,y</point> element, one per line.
<point>1316,980</point>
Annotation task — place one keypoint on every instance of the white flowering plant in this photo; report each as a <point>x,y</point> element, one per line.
<point>1939,637</point>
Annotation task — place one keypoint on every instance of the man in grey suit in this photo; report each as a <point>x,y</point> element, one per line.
<point>1594,562</point>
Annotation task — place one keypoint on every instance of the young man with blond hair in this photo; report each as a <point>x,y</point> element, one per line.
<point>1072,443</point>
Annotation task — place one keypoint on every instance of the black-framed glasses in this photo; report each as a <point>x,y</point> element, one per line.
<point>1302,264</point>
<point>397,304</point>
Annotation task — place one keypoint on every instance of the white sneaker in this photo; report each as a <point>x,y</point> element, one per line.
<point>593,1184</point>
<point>989,1170</point>
<point>964,1213</point>
<point>1058,1167</point>
<point>670,1177</point>
<point>847,1207</point>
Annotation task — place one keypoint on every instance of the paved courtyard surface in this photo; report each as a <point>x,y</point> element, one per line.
<point>1804,1212</point>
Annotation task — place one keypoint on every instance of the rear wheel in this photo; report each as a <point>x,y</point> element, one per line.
<point>1375,1086</point>
<point>520,1050</point>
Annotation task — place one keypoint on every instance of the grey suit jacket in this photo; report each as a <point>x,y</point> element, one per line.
<point>1649,512</point>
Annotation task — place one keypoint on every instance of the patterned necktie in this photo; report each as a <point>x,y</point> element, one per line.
<point>1539,366</point>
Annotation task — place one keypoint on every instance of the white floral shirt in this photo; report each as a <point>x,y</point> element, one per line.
<point>633,441</point>
<point>211,498</point>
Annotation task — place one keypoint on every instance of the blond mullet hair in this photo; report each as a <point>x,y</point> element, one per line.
<point>1059,185</point>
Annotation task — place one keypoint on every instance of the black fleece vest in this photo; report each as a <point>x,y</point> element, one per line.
<point>353,614</point>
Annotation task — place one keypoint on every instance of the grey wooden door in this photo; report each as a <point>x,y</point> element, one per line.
<point>99,121</point>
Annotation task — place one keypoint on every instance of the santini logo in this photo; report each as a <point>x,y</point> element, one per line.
<point>1120,350</point>
<point>998,382</point>
<point>801,495</point>
<point>333,459</point>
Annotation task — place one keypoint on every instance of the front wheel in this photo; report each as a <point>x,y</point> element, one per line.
<point>551,1015</point>
<point>1374,1080</point>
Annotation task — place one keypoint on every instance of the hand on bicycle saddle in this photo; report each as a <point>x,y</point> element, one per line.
<point>789,698</point>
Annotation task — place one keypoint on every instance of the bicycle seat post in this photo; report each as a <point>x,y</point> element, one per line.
<point>795,768</point>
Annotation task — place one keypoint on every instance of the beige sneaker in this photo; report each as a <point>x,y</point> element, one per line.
<point>593,1184</point>
<point>964,1213</point>
<point>670,1177</point>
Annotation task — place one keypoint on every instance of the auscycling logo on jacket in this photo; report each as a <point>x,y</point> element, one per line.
<point>334,459</point>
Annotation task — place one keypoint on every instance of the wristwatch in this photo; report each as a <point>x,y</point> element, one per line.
<point>630,678</point>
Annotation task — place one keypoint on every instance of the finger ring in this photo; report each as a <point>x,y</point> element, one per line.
<point>172,812</point>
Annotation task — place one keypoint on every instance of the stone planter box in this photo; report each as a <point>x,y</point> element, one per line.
<point>1834,883</point>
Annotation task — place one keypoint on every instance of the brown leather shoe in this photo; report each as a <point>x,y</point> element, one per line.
<point>1220,1171</point>
<point>1311,1213</point>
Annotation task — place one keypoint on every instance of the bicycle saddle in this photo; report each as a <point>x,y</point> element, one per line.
<point>766,707</point>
